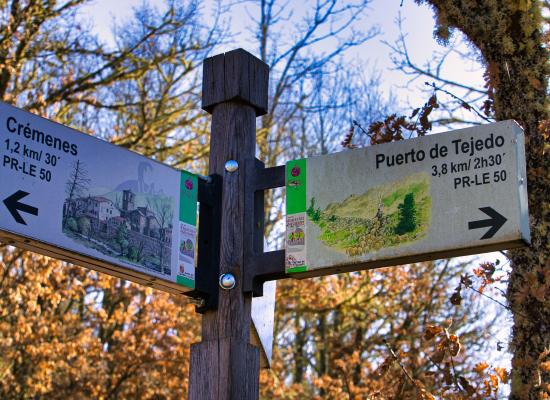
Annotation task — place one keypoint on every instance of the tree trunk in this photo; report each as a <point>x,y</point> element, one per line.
<point>508,34</point>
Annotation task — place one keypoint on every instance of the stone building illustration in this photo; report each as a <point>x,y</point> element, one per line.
<point>121,228</point>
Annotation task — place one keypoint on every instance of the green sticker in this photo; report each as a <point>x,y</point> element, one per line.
<point>296,186</point>
<point>187,234</point>
<point>188,198</point>
<point>182,280</point>
<point>296,196</point>
<point>291,270</point>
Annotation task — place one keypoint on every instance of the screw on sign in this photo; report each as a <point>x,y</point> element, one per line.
<point>231,166</point>
<point>227,281</point>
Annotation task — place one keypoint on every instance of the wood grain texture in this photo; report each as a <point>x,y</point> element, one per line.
<point>212,82</point>
<point>235,76</point>
<point>209,358</point>
<point>232,124</point>
<point>224,365</point>
<point>270,178</point>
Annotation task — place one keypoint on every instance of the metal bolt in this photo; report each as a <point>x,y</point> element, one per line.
<point>514,141</point>
<point>521,181</point>
<point>227,281</point>
<point>199,301</point>
<point>231,166</point>
<point>207,179</point>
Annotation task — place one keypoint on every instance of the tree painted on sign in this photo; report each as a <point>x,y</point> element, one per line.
<point>122,238</point>
<point>135,251</point>
<point>71,224</point>
<point>163,213</point>
<point>85,226</point>
<point>407,215</point>
<point>313,213</point>
<point>76,186</point>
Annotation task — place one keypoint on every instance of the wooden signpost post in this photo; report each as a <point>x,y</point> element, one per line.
<point>438,196</point>
<point>225,365</point>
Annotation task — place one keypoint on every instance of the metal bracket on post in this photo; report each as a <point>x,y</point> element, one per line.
<point>206,288</point>
<point>261,266</point>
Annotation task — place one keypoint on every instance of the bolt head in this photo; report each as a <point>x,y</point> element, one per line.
<point>227,281</point>
<point>231,166</point>
<point>199,302</point>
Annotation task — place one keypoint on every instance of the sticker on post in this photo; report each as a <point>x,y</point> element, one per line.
<point>296,228</point>
<point>187,230</point>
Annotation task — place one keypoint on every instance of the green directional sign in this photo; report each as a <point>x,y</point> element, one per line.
<point>81,199</point>
<point>450,194</point>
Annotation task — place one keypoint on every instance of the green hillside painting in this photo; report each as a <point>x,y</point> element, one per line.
<point>388,215</point>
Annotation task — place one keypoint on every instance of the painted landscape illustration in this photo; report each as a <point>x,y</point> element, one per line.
<point>388,215</point>
<point>131,222</point>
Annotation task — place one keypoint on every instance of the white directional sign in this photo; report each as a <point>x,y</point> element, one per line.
<point>450,194</point>
<point>75,197</point>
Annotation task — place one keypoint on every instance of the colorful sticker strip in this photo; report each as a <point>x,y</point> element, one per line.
<point>296,192</point>
<point>187,230</point>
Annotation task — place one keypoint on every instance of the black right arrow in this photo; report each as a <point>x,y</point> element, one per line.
<point>14,206</point>
<point>495,222</point>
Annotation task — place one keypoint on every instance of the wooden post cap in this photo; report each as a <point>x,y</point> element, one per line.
<point>235,76</point>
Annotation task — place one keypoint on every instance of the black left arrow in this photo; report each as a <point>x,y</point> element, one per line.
<point>14,206</point>
<point>495,222</point>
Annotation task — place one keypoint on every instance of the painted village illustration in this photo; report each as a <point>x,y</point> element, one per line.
<point>132,222</point>
<point>388,215</point>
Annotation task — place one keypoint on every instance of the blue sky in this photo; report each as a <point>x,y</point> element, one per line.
<point>418,24</point>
